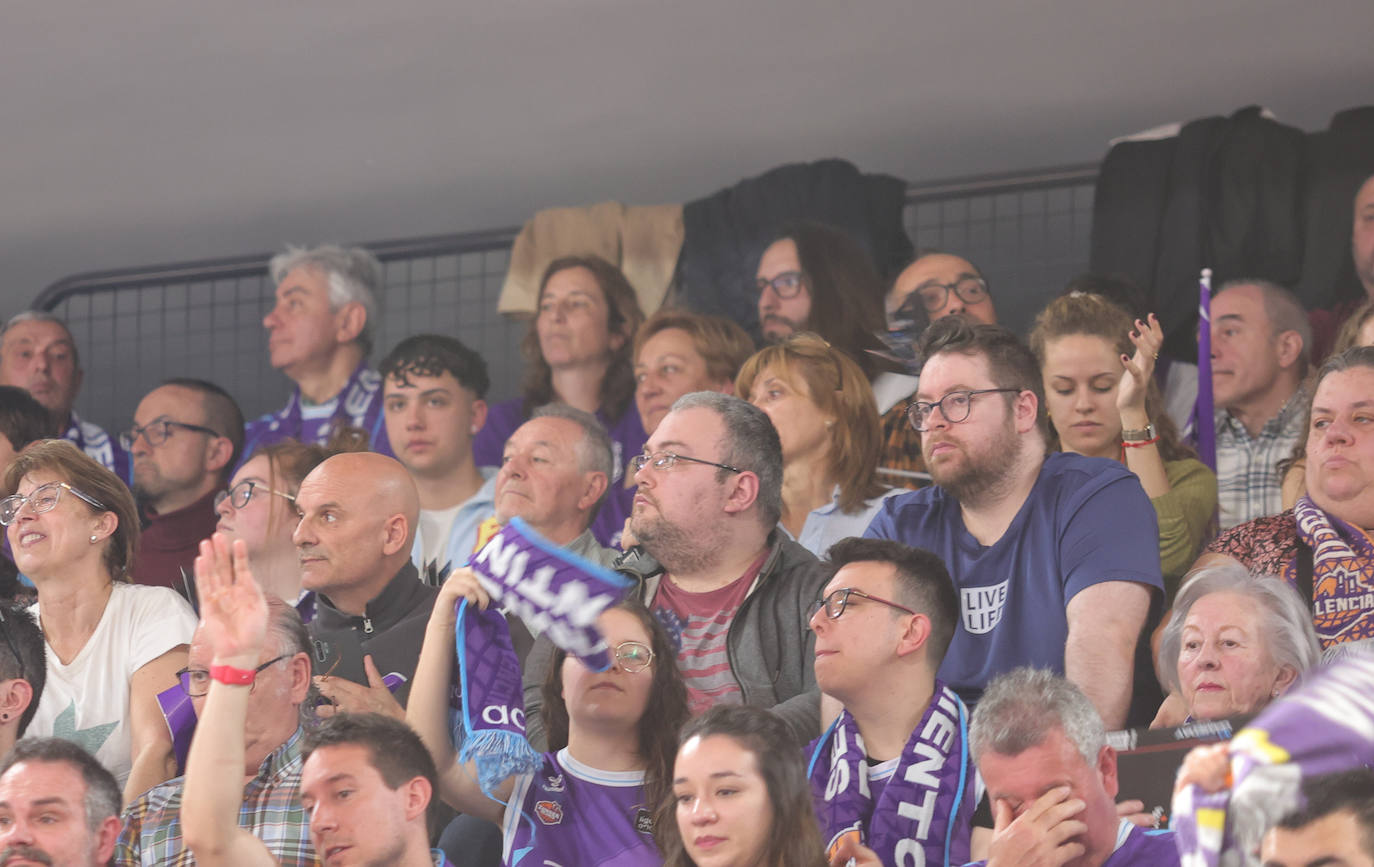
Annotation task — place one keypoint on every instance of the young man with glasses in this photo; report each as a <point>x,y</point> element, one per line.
<point>713,566</point>
<point>185,441</point>
<point>893,772</point>
<point>1056,559</point>
<point>271,806</point>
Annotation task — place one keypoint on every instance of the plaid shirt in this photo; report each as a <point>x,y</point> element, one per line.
<point>271,811</point>
<point>1249,484</point>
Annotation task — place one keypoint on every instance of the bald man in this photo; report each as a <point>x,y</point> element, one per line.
<point>358,516</point>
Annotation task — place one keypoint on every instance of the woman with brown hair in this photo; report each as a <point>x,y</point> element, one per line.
<point>112,646</point>
<point>578,351</point>
<point>822,407</point>
<point>1103,402</point>
<point>740,798</point>
<point>612,736</point>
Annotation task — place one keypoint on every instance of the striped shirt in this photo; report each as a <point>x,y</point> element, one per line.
<point>699,624</point>
<point>271,811</point>
<point>1249,484</point>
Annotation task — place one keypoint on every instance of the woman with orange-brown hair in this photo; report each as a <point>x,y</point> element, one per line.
<point>822,406</point>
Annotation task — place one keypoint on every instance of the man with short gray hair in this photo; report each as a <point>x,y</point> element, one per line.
<point>38,354</point>
<point>732,590</point>
<point>272,741</point>
<point>1261,346</point>
<point>319,335</point>
<point>58,806</point>
<point>1051,779</point>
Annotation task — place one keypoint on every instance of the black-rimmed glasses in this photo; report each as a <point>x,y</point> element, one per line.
<point>835,602</point>
<point>970,290</point>
<point>41,499</point>
<point>666,461</point>
<point>955,407</point>
<point>633,656</point>
<point>788,284</point>
<point>195,682</point>
<point>9,640</point>
<point>239,495</point>
<point>157,432</point>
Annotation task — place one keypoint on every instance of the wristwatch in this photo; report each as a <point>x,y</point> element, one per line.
<point>1138,435</point>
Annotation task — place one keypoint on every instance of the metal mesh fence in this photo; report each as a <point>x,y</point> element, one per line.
<point>1028,234</point>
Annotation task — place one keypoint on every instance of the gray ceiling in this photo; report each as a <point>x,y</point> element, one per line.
<point>149,130</point>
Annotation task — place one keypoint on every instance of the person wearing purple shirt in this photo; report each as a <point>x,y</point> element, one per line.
<point>578,348</point>
<point>319,334</point>
<point>1055,558</point>
<point>1041,748</point>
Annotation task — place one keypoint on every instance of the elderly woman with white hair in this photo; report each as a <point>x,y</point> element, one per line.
<point>1234,643</point>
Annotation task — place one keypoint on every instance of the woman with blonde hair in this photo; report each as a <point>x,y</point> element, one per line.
<point>1103,402</point>
<point>822,406</point>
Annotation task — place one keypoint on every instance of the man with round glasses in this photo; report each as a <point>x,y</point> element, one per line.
<point>185,442</point>
<point>271,808</point>
<point>893,771</point>
<point>1055,558</point>
<point>937,285</point>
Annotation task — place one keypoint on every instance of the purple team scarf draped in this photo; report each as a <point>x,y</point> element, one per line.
<point>927,805</point>
<point>360,405</point>
<point>1204,411</point>
<point>554,591</point>
<point>1342,573</point>
<point>180,716</point>
<point>492,708</point>
<point>1325,726</point>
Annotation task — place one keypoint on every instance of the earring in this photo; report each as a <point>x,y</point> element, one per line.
<point>94,538</point>
<point>4,717</point>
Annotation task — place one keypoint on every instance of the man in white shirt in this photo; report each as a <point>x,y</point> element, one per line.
<point>434,391</point>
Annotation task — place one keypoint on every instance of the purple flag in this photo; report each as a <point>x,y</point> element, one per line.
<point>180,715</point>
<point>554,591</point>
<point>1204,420</point>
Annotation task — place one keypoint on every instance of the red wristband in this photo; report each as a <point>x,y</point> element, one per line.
<point>1140,444</point>
<point>233,676</point>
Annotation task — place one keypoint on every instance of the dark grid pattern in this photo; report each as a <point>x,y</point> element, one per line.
<point>1028,233</point>
<point>1027,242</point>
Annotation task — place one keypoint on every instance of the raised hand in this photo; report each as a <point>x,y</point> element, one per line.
<point>1148,337</point>
<point>233,611</point>
<point>1043,836</point>
<point>1207,767</point>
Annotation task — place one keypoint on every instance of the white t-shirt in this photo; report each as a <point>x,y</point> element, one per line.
<point>435,525</point>
<point>87,701</point>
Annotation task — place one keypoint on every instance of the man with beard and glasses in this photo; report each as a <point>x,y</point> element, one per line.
<point>732,590</point>
<point>1056,558</point>
<point>58,806</point>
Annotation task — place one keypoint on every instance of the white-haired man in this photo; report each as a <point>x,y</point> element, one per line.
<point>319,335</point>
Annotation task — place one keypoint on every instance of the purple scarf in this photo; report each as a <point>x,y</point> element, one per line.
<point>360,405</point>
<point>1204,423</point>
<point>1325,726</point>
<point>492,707</point>
<point>554,591</point>
<point>927,805</point>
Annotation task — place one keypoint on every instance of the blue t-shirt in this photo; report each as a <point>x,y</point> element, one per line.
<point>1086,521</point>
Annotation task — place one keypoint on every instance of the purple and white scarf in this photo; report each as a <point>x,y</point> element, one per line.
<point>490,724</point>
<point>359,405</point>
<point>1324,726</point>
<point>554,591</point>
<point>927,805</point>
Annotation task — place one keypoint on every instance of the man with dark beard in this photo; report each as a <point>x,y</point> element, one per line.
<point>732,590</point>
<point>1056,558</point>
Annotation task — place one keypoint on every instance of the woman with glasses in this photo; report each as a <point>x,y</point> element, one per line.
<point>822,407</point>
<point>579,353</point>
<point>259,507</point>
<point>613,735</point>
<point>1103,402</point>
<point>740,798</point>
<point>112,646</point>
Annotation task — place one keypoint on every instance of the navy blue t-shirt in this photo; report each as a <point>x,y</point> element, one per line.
<point>1087,520</point>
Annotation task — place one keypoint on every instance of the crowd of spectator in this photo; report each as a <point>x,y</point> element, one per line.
<point>889,580</point>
